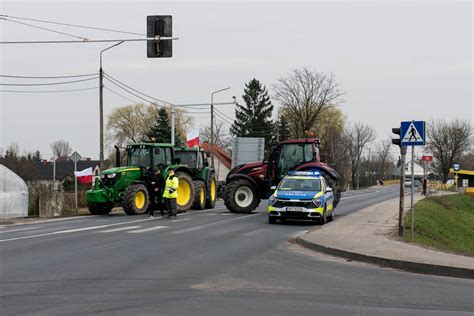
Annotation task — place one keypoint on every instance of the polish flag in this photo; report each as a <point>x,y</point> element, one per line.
<point>192,139</point>
<point>84,176</point>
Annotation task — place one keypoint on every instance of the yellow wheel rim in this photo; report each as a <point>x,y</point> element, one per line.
<point>184,193</point>
<point>139,199</point>
<point>213,190</point>
<point>202,196</point>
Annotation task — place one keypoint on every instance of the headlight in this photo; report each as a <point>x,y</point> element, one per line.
<point>317,202</point>
<point>272,200</point>
<point>111,176</point>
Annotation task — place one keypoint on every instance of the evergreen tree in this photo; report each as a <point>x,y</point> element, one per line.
<point>282,129</point>
<point>37,156</point>
<point>160,132</point>
<point>254,119</point>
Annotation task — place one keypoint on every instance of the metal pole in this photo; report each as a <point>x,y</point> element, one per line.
<point>412,190</point>
<point>212,124</point>
<point>401,227</point>
<point>172,125</point>
<point>54,171</point>
<point>75,181</point>
<point>101,105</point>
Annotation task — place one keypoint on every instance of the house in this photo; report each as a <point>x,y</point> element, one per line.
<point>418,170</point>
<point>222,160</point>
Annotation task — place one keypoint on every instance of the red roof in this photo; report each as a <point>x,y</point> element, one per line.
<point>219,153</point>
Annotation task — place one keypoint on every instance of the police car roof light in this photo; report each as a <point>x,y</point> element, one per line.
<point>303,173</point>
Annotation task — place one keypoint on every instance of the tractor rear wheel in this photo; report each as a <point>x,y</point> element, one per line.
<point>199,195</point>
<point>185,192</point>
<point>135,199</point>
<point>212,193</point>
<point>240,196</point>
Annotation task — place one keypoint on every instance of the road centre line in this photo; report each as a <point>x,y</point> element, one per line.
<point>19,229</point>
<point>97,227</point>
<point>185,230</point>
<point>119,229</point>
<point>356,196</point>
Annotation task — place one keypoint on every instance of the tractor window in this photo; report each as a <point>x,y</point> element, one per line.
<point>187,158</point>
<point>139,157</point>
<point>168,156</point>
<point>159,156</point>
<point>292,155</point>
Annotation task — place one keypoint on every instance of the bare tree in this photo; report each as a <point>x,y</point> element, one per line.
<point>356,137</point>
<point>447,142</point>
<point>61,148</point>
<point>303,95</point>
<point>383,156</point>
<point>131,123</point>
<point>222,137</point>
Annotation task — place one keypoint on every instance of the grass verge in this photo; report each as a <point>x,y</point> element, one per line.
<point>444,222</point>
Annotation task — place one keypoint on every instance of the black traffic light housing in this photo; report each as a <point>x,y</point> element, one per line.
<point>162,26</point>
<point>396,141</point>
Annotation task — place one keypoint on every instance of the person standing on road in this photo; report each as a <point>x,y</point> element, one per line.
<point>424,182</point>
<point>171,193</point>
<point>156,180</point>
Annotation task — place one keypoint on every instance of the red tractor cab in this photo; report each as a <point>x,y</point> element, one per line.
<point>247,184</point>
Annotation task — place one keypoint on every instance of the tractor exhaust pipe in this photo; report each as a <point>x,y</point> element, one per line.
<point>117,156</point>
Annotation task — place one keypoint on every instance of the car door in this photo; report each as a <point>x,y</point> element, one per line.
<point>329,197</point>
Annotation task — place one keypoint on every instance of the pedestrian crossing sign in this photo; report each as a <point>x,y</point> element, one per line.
<point>413,133</point>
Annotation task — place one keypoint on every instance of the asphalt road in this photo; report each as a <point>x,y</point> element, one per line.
<point>209,262</point>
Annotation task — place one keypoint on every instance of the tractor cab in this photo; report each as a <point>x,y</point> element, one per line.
<point>291,154</point>
<point>149,155</point>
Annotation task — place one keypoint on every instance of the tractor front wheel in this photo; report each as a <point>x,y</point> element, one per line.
<point>135,199</point>
<point>185,192</point>
<point>240,196</point>
<point>199,195</point>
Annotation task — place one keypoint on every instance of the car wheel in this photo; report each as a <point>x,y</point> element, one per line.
<point>272,220</point>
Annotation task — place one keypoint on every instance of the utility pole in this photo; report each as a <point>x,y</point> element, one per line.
<point>212,124</point>
<point>101,105</point>
<point>172,124</point>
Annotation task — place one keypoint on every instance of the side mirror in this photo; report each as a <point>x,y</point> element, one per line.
<point>273,187</point>
<point>177,161</point>
<point>328,190</point>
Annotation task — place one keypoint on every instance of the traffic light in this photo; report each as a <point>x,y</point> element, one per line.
<point>396,141</point>
<point>159,25</point>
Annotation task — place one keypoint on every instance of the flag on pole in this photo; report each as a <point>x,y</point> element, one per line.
<point>192,139</point>
<point>84,176</point>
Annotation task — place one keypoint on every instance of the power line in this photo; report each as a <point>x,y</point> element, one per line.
<point>223,114</point>
<point>48,77</point>
<point>110,78</point>
<point>120,95</point>
<point>45,29</point>
<point>73,25</point>
<point>124,89</point>
<point>46,84</point>
<point>48,91</point>
<point>224,120</point>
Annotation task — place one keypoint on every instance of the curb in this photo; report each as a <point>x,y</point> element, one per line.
<point>417,267</point>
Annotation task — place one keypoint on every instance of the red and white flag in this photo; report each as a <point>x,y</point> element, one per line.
<point>84,176</point>
<point>192,139</point>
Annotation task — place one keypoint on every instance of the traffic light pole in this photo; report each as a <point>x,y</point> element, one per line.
<point>403,152</point>
<point>212,124</point>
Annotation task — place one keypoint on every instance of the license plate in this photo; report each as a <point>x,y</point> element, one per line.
<point>294,209</point>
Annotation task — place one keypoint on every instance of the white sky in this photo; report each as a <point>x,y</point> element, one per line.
<point>395,60</point>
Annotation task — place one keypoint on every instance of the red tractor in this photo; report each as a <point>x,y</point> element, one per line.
<point>247,184</point>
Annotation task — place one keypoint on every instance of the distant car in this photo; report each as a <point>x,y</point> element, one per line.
<point>302,195</point>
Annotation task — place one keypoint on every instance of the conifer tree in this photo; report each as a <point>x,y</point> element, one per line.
<point>160,132</point>
<point>254,118</point>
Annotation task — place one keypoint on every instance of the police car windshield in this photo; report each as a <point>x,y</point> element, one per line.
<point>293,184</point>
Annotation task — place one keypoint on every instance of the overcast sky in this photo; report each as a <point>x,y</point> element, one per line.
<point>395,60</point>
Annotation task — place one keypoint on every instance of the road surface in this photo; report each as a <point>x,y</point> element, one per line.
<point>207,262</point>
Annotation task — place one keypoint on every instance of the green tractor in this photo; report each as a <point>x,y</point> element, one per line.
<point>129,186</point>
<point>204,178</point>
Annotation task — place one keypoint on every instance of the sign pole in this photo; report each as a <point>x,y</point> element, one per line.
<point>75,182</point>
<point>412,189</point>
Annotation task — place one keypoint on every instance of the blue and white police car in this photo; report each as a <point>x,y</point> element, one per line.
<point>301,195</point>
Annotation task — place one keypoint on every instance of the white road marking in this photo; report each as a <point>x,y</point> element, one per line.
<point>213,224</point>
<point>149,229</point>
<point>99,227</point>
<point>356,196</point>
<point>19,229</point>
<point>254,232</point>
<point>119,229</point>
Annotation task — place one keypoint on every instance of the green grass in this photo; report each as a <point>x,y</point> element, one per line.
<point>444,222</point>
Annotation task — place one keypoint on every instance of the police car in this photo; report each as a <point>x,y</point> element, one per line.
<point>302,195</point>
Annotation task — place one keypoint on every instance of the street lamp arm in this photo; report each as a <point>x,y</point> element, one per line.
<point>116,44</point>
